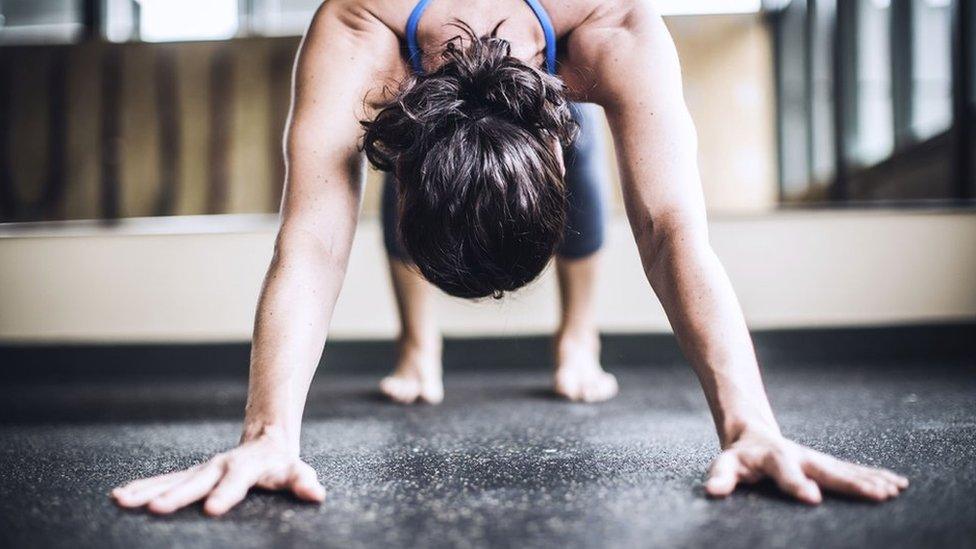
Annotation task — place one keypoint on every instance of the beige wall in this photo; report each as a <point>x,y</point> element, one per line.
<point>727,65</point>
<point>197,279</point>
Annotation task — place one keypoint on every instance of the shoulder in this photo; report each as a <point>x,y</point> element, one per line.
<point>351,32</point>
<point>349,17</point>
<point>613,30</point>
<point>348,55</point>
<point>387,17</point>
<point>611,23</point>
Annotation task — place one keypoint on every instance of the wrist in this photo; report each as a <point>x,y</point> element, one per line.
<point>271,433</point>
<point>734,428</point>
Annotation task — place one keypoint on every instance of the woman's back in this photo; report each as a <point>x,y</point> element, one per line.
<point>515,20</point>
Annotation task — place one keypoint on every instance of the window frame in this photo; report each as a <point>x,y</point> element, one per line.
<point>842,36</point>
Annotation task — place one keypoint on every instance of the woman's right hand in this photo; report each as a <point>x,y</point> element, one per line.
<point>224,481</point>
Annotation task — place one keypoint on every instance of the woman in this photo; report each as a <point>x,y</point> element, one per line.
<point>573,215</point>
<point>476,145</point>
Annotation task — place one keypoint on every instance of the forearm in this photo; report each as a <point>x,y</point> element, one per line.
<point>293,315</point>
<point>656,145</point>
<point>703,310</point>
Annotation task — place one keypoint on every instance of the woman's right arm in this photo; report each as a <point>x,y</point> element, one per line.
<point>345,55</point>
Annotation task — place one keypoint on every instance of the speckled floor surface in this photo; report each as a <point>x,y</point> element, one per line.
<point>500,463</point>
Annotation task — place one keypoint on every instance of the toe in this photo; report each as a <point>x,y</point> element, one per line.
<point>567,388</point>
<point>611,386</point>
<point>403,391</point>
<point>432,392</point>
<point>603,387</point>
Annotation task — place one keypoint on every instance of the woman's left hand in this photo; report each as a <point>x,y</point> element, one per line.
<point>799,471</point>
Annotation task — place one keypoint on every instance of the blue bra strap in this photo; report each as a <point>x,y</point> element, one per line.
<point>416,57</point>
<point>413,48</point>
<point>550,33</point>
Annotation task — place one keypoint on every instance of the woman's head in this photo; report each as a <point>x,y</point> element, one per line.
<point>476,148</point>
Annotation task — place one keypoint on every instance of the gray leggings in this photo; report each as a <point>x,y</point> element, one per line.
<point>585,165</point>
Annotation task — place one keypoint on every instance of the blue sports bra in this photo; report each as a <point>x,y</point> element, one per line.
<point>540,13</point>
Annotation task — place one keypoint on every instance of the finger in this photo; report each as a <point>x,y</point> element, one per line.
<point>861,481</point>
<point>305,483</point>
<point>878,483</point>
<point>899,481</point>
<point>896,479</point>
<point>826,459</point>
<point>140,494</point>
<point>723,475</point>
<point>786,472</point>
<point>150,481</point>
<point>192,489</point>
<point>843,479</point>
<point>233,488</point>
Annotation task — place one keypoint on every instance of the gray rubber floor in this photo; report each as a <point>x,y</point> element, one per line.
<point>500,463</point>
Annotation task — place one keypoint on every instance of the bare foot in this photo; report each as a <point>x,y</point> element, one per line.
<point>417,376</point>
<point>579,376</point>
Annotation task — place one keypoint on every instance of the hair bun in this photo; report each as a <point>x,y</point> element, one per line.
<point>481,196</point>
<point>490,82</point>
<point>478,79</point>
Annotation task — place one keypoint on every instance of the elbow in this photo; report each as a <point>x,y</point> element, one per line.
<point>296,244</point>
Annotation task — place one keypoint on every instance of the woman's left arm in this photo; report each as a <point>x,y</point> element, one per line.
<point>633,72</point>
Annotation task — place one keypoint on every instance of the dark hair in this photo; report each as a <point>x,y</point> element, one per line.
<point>482,202</point>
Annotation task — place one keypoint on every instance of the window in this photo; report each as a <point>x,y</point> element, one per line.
<point>873,137</point>
<point>184,20</point>
<point>932,68</point>
<point>703,7</point>
<point>171,20</point>
<point>282,17</point>
<point>822,16</point>
<point>874,100</point>
<point>794,129</point>
<point>40,21</point>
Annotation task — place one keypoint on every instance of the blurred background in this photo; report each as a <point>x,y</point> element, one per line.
<point>140,176</point>
<point>140,170</point>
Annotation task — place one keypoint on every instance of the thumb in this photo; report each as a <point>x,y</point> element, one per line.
<point>305,483</point>
<point>723,475</point>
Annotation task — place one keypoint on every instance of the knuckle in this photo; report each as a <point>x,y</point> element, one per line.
<point>224,493</point>
<point>775,458</point>
<point>793,483</point>
<point>865,486</point>
<point>295,470</point>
